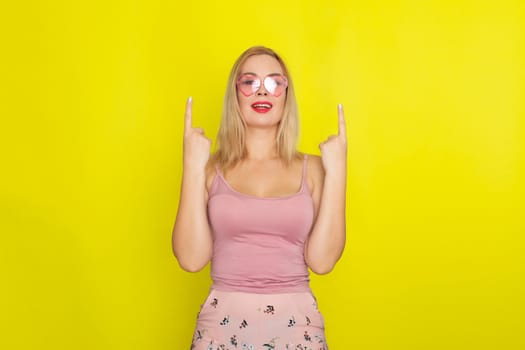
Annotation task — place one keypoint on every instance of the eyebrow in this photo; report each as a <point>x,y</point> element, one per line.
<point>268,75</point>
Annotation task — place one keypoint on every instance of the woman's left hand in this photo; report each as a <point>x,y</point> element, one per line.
<point>333,150</point>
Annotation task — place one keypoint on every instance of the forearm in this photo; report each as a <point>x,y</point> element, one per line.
<point>327,239</point>
<point>192,240</point>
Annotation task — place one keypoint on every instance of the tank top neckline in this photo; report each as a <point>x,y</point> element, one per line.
<point>251,196</point>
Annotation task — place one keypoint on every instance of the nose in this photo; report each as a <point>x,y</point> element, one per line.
<point>262,91</point>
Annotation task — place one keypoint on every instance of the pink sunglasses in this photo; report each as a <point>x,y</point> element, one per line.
<point>250,83</point>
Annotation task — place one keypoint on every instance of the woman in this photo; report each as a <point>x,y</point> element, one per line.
<point>261,213</point>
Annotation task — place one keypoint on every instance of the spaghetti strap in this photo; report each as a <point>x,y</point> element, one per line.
<point>217,170</point>
<point>304,168</point>
<point>215,181</point>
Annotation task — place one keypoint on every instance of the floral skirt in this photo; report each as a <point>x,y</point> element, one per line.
<point>249,321</point>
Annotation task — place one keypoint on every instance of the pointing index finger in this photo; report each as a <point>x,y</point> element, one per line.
<point>187,114</point>
<point>342,122</point>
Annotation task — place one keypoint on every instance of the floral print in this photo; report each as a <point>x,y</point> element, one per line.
<point>247,321</point>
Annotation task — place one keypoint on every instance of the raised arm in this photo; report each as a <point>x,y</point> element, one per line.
<point>326,242</point>
<point>191,238</point>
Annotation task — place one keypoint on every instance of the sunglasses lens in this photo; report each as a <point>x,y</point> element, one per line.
<point>275,84</point>
<point>248,84</point>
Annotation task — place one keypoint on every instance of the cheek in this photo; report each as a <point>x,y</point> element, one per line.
<point>243,103</point>
<point>280,105</point>
<point>244,106</point>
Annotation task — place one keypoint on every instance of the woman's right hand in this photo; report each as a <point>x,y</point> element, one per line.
<point>196,147</point>
<point>191,239</point>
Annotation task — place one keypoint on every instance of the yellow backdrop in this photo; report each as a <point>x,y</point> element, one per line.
<point>92,106</point>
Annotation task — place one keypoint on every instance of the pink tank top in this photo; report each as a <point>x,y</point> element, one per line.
<point>259,242</point>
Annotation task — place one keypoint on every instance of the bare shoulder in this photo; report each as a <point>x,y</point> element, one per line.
<point>314,171</point>
<point>315,164</point>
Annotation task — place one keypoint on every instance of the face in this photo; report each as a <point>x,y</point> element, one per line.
<point>261,91</point>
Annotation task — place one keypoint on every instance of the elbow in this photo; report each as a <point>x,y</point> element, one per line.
<point>191,263</point>
<point>191,267</point>
<point>321,266</point>
<point>322,263</point>
<point>321,269</point>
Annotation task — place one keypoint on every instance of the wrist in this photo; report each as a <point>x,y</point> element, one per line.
<point>337,171</point>
<point>193,173</point>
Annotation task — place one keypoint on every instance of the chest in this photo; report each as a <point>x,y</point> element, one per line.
<point>265,180</point>
<point>241,218</point>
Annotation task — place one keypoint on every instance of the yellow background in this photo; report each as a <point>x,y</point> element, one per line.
<point>92,102</point>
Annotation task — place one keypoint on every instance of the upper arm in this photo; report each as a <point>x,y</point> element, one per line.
<point>315,178</point>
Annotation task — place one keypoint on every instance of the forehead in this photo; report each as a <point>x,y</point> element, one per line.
<point>261,65</point>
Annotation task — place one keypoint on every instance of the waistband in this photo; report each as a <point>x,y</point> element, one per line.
<point>262,288</point>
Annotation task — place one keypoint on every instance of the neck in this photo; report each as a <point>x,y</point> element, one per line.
<point>261,144</point>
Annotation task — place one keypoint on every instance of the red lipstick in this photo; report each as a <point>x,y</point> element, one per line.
<point>262,106</point>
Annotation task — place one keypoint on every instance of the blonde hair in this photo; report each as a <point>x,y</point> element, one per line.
<point>231,137</point>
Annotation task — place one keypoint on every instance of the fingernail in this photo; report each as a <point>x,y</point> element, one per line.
<point>340,105</point>
<point>190,99</point>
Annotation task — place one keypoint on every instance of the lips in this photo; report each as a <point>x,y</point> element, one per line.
<point>262,106</point>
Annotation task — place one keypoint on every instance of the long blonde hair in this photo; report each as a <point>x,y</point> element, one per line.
<point>231,136</point>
